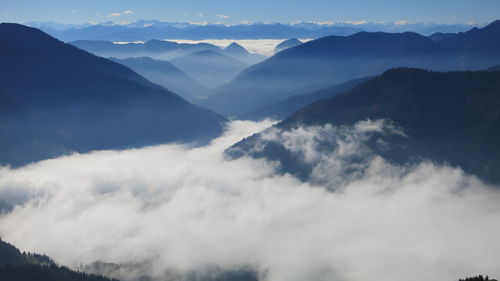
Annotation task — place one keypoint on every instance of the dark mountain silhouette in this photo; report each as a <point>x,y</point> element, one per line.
<point>284,108</point>
<point>494,68</point>
<point>330,60</point>
<point>449,117</point>
<point>158,49</point>
<point>17,266</point>
<point>438,36</point>
<point>287,44</point>
<point>167,75</point>
<point>477,278</point>
<point>209,67</point>
<point>477,40</point>
<point>63,99</point>
<point>238,52</point>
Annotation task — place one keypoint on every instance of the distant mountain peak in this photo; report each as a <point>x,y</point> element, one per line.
<point>207,53</point>
<point>236,49</point>
<point>287,44</point>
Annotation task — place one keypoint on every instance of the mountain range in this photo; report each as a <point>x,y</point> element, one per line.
<point>58,99</point>
<point>282,109</point>
<point>158,49</point>
<point>335,59</point>
<point>211,68</point>
<point>167,75</point>
<point>143,30</point>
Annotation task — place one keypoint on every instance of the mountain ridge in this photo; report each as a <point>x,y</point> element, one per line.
<point>448,117</point>
<point>334,59</point>
<point>87,102</point>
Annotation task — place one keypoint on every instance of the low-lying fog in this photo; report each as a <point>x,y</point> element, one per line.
<point>182,209</point>
<point>257,46</point>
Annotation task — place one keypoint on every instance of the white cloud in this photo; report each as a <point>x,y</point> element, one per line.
<point>198,23</point>
<point>185,208</point>
<point>200,14</point>
<point>116,14</point>
<point>402,22</point>
<point>260,46</point>
<point>361,22</point>
<point>222,16</point>
<point>246,22</point>
<point>128,12</point>
<point>330,23</point>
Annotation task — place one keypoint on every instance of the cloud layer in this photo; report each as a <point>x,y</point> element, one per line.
<point>181,208</point>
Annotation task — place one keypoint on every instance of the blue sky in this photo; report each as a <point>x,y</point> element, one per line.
<point>236,11</point>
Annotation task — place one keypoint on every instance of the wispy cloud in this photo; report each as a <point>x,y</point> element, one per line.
<point>361,22</point>
<point>115,14</point>
<point>128,12</point>
<point>402,22</point>
<point>222,16</point>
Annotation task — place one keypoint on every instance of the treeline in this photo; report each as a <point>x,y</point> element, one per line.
<point>17,266</point>
<point>477,278</point>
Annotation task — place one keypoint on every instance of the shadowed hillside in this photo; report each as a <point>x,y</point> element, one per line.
<point>167,75</point>
<point>448,117</point>
<point>17,266</point>
<point>58,99</point>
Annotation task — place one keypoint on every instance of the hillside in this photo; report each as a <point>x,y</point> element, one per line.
<point>282,109</point>
<point>166,75</point>
<point>75,101</point>
<point>209,67</point>
<point>287,44</point>
<point>451,117</point>
<point>17,266</point>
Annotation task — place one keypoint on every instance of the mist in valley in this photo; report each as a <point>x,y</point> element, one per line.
<point>173,211</point>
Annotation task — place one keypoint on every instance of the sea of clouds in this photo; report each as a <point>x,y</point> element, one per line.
<point>181,209</point>
<point>264,47</point>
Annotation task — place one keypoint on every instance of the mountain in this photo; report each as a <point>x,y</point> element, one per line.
<point>167,75</point>
<point>158,49</point>
<point>494,68</point>
<point>287,44</point>
<point>59,99</point>
<point>143,30</point>
<point>438,36</point>
<point>237,51</point>
<point>284,108</point>
<point>209,67</point>
<point>17,266</point>
<point>451,117</point>
<point>321,63</point>
<point>477,48</point>
<point>335,59</point>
